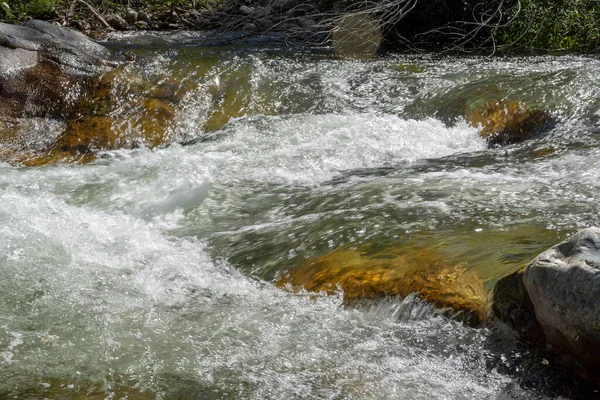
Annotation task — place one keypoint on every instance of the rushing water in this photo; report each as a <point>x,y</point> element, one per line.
<point>149,273</point>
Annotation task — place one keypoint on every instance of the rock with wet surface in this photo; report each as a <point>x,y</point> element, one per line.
<point>511,304</point>
<point>42,65</point>
<point>371,277</point>
<point>44,72</point>
<point>506,121</point>
<point>13,60</point>
<point>68,49</point>
<point>118,110</point>
<point>563,284</point>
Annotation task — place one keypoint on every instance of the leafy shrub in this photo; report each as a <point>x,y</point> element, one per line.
<point>18,9</point>
<point>553,25</point>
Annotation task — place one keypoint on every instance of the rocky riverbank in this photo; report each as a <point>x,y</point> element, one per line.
<point>295,17</point>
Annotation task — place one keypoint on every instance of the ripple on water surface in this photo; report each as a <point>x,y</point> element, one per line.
<point>147,272</point>
<point>91,297</point>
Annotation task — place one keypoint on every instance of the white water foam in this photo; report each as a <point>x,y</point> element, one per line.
<point>118,297</point>
<point>311,149</point>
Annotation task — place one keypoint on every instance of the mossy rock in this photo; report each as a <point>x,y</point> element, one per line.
<point>371,277</point>
<point>506,121</point>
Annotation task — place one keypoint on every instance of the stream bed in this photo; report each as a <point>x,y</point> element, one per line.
<point>151,273</point>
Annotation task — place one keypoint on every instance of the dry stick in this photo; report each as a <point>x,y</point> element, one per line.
<point>92,9</point>
<point>72,9</point>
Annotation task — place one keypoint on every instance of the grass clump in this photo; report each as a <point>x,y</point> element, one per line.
<point>16,10</point>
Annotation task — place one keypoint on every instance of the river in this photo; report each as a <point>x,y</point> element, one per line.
<point>150,273</point>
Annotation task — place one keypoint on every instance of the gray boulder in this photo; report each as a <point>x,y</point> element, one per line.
<point>131,16</point>
<point>66,38</point>
<point>21,37</point>
<point>563,284</point>
<point>245,10</point>
<point>13,60</point>
<point>48,43</point>
<point>145,17</point>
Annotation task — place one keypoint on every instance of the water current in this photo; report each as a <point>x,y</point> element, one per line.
<point>150,273</point>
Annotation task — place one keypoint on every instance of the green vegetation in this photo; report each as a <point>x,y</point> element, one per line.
<point>18,10</point>
<point>553,25</point>
<point>508,25</point>
<point>15,10</point>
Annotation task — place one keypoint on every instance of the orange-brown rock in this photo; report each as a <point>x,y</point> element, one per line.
<point>54,107</point>
<point>40,91</point>
<point>117,110</point>
<point>371,277</point>
<point>506,121</point>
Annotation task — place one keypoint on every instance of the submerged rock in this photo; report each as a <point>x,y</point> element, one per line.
<point>506,121</point>
<point>119,110</point>
<point>363,277</point>
<point>564,286</point>
<point>62,100</point>
<point>410,68</point>
<point>77,388</point>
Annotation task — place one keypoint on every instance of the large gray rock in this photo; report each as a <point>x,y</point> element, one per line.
<point>50,44</point>
<point>13,60</point>
<point>563,284</point>
<point>69,39</point>
<point>21,37</point>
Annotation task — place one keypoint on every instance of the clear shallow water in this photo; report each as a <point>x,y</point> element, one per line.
<point>149,273</point>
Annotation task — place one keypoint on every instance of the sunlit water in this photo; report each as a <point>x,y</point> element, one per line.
<point>149,273</point>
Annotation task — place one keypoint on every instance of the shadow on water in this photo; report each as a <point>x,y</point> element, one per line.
<point>534,374</point>
<point>509,355</point>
